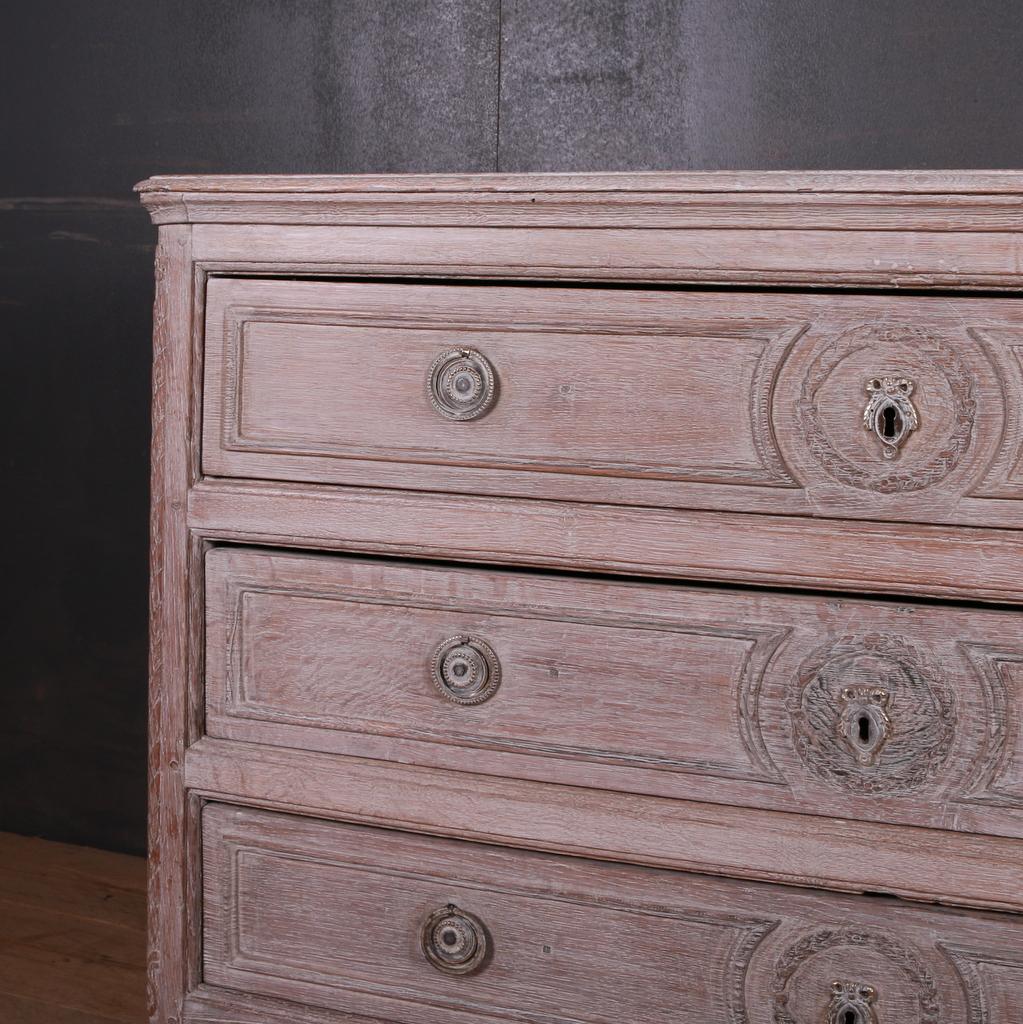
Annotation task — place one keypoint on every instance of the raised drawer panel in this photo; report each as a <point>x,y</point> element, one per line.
<point>413,929</point>
<point>874,407</point>
<point>844,708</point>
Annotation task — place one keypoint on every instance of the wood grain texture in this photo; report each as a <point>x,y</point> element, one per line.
<point>292,911</point>
<point>801,258</point>
<point>895,182</point>
<point>890,206</point>
<point>74,921</point>
<point>798,849</point>
<point>770,550</point>
<point>741,698</point>
<point>294,722</point>
<point>710,400</point>
<point>208,1004</point>
<point>831,211</point>
<point>171,638</point>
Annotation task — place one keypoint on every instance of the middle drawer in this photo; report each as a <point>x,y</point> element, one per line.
<point>841,707</point>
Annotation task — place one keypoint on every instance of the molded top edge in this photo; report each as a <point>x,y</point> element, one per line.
<point>946,182</point>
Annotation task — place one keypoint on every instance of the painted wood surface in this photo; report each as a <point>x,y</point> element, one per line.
<point>73,926</point>
<point>728,401</point>
<point>798,849</point>
<point>829,706</point>
<point>716,546</point>
<point>536,231</point>
<point>172,637</point>
<point>333,916</point>
<point>761,256</point>
<point>892,205</point>
<point>335,86</point>
<point>887,182</point>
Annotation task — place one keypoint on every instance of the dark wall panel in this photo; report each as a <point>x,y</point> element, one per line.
<point>111,91</point>
<point>764,84</point>
<point>75,292</point>
<point>417,85</point>
<point>594,85</point>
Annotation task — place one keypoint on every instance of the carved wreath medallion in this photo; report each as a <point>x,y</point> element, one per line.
<point>886,477</point>
<point>893,953</point>
<point>872,716</point>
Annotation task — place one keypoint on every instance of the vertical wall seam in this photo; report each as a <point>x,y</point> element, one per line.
<point>497,132</point>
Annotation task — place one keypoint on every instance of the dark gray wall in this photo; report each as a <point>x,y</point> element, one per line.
<point>99,95</point>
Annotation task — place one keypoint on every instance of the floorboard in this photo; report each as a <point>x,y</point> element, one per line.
<point>72,934</point>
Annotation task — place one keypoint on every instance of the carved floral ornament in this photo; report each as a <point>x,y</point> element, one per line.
<point>891,412</point>
<point>872,715</point>
<point>854,1001</point>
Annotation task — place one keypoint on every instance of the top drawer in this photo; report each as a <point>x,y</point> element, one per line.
<point>877,407</point>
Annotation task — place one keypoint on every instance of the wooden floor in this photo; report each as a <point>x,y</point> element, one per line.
<point>72,934</point>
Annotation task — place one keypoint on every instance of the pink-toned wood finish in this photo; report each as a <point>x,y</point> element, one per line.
<point>930,231</point>
<point>951,229</point>
<point>698,400</point>
<point>332,916</point>
<point>798,849</point>
<point>884,200</point>
<point>174,469</point>
<point>836,707</point>
<point>805,185</point>
<point>846,258</point>
<point>972,563</point>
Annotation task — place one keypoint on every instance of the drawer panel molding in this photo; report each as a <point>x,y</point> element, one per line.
<point>293,911</point>
<point>777,413</point>
<point>850,854</point>
<point>888,712</point>
<point>745,402</point>
<point>902,559</point>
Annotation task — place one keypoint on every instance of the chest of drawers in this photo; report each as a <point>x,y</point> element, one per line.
<point>587,599</point>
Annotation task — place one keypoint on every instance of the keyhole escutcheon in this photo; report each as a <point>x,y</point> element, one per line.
<point>890,413</point>
<point>865,729</point>
<point>891,424</point>
<point>863,723</point>
<point>852,1003</point>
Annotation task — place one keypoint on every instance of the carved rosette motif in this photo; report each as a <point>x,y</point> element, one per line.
<point>872,716</point>
<point>833,940</point>
<point>883,477</point>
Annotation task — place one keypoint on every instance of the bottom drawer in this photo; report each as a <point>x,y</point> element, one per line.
<point>414,929</point>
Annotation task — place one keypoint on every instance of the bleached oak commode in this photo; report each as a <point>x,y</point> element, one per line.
<point>588,599</point>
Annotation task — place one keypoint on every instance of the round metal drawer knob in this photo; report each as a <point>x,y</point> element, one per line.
<point>465,669</point>
<point>462,384</point>
<point>455,941</point>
